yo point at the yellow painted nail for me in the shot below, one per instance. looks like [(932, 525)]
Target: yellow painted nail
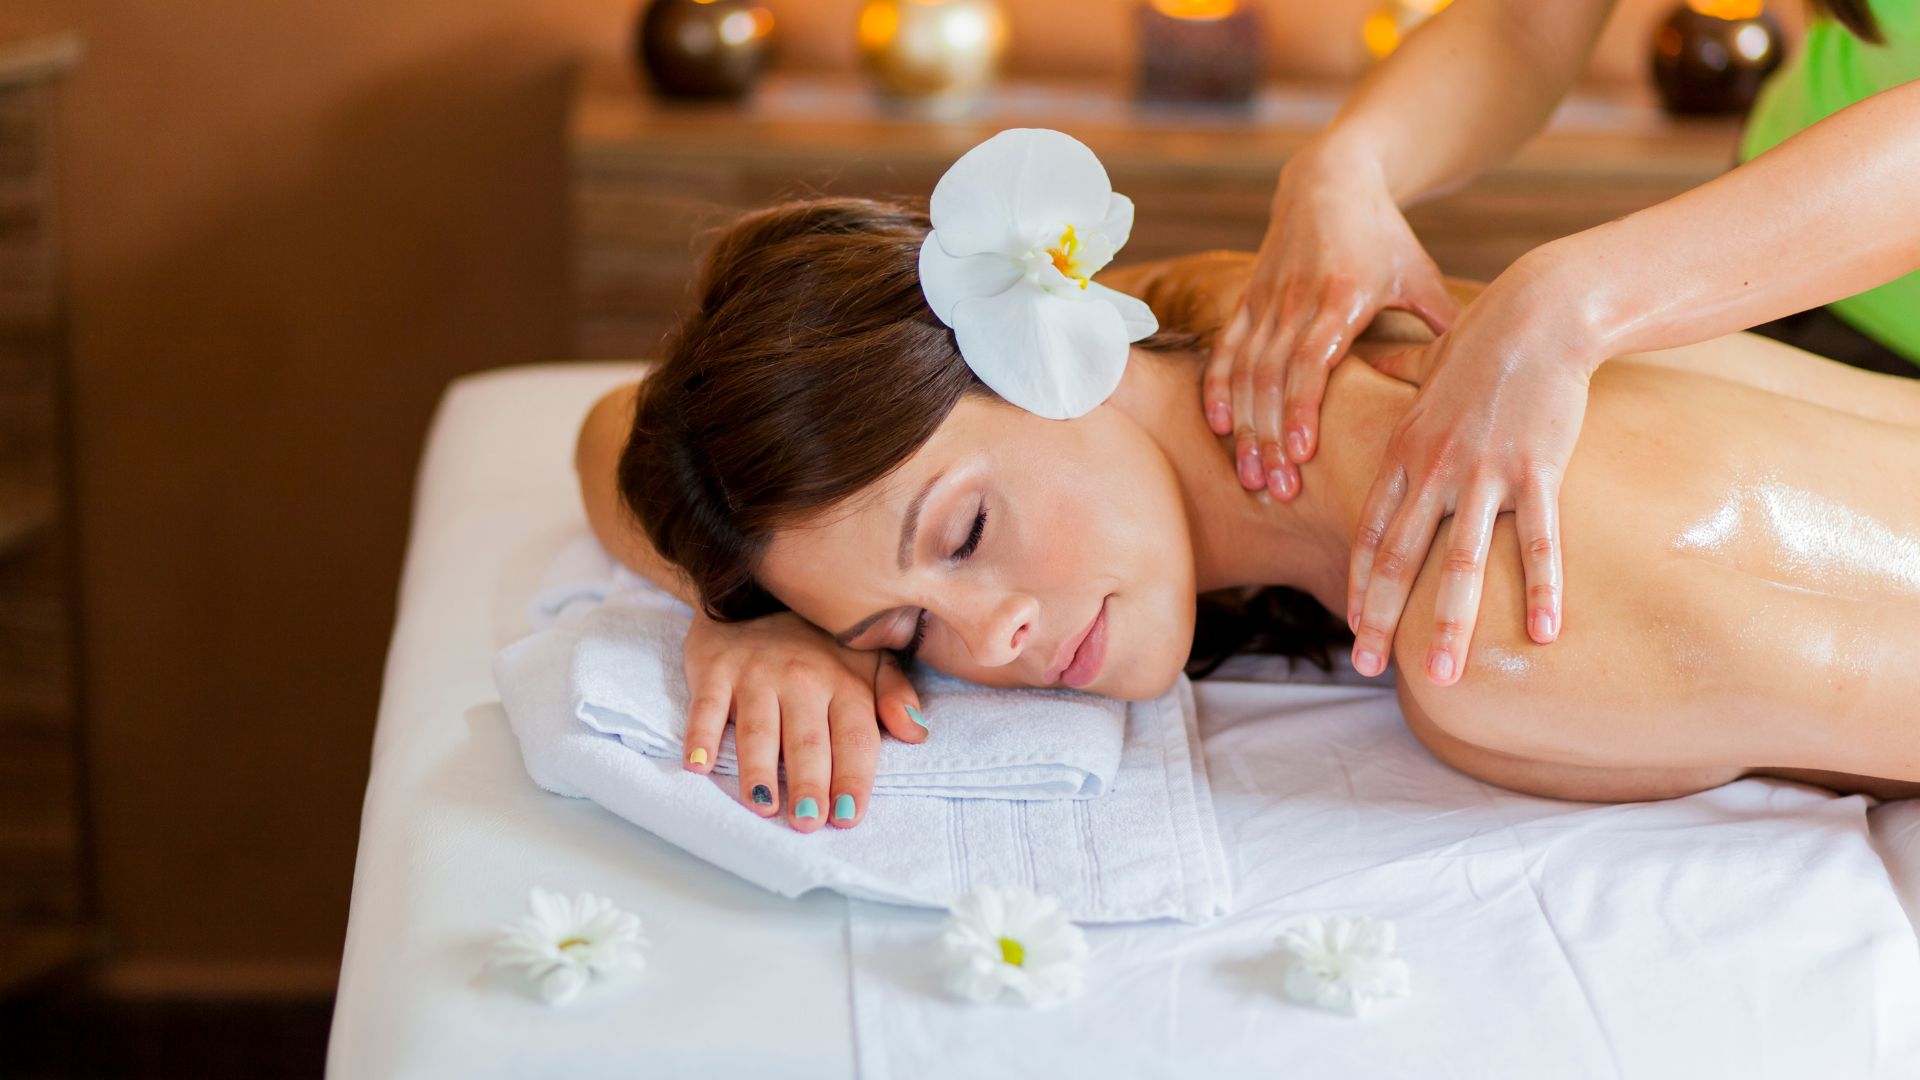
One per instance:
[(699, 755)]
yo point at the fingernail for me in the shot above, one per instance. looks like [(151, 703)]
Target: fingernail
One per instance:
[(698, 756), (1441, 664), (1542, 626), (843, 808), (1250, 469), (1353, 623), (1277, 480), (762, 795), (1367, 662), (1218, 418), (913, 714), (806, 808), (1297, 445)]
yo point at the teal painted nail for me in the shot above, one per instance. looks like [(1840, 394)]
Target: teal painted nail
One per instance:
[(913, 714), (843, 808), (806, 808)]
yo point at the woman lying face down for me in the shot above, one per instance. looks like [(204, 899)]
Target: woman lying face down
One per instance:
[(815, 442)]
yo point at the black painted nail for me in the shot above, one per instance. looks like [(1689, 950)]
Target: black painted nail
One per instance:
[(762, 795)]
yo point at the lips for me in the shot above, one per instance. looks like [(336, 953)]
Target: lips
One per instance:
[(1077, 663)]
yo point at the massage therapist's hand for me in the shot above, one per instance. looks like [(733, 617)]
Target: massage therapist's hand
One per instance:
[(1492, 429), (1336, 252), (795, 692)]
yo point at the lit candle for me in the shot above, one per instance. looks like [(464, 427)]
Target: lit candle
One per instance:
[(1203, 10), (1199, 50), (1384, 29), (943, 52)]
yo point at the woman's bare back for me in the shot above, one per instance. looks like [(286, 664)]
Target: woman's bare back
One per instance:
[(1743, 583), (1742, 558)]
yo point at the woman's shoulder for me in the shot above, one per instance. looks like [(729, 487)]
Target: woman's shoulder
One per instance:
[(1190, 293), (606, 425)]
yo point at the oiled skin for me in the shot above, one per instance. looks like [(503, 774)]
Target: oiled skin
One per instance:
[(1700, 642)]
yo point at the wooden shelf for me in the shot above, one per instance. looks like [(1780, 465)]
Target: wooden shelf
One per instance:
[(31, 953), (24, 516), (649, 175)]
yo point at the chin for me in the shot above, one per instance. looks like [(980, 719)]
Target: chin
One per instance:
[(1148, 651)]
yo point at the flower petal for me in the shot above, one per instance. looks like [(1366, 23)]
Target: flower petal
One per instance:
[(1008, 193), (1134, 312), (561, 983), (1055, 357), (1117, 225), (948, 279)]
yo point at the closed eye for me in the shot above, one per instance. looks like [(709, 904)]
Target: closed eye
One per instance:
[(906, 655), (973, 538)]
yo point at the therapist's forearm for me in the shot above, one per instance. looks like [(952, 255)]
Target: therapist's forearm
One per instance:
[(1465, 90), (1831, 212)]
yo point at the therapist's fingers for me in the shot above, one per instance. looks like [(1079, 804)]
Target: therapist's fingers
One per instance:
[(711, 700), (896, 703), (1246, 448), (756, 742), (1389, 487), (1325, 341), (1463, 569), (1537, 519), (1216, 383), (856, 747), (1402, 552), (806, 747), (1271, 373)]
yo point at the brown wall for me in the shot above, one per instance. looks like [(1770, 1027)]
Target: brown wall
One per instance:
[(289, 224)]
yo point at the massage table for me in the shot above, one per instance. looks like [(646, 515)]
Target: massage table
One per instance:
[(1567, 942)]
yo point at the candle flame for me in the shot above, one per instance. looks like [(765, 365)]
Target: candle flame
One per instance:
[(1196, 9), (1728, 9)]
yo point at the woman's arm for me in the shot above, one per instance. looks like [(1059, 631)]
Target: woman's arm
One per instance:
[(1826, 214), (791, 692), (1467, 88), (1823, 215), (596, 457)]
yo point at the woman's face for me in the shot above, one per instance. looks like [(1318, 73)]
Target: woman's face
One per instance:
[(1080, 515)]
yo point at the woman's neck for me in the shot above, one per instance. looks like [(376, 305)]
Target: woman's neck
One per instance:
[(1243, 537)]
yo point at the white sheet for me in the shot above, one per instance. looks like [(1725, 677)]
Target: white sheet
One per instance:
[(1743, 931), (1612, 937), (453, 833)]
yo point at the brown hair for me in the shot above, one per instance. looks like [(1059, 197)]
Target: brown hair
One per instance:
[(1855, 15), (810, 368)]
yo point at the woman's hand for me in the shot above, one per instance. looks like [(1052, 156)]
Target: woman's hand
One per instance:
[(1492, 429), (1336, 252), (794, 691)]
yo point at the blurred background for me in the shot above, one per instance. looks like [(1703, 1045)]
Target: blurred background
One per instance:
[(245, 245)]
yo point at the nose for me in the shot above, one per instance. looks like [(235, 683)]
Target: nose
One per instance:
[(996, 628)]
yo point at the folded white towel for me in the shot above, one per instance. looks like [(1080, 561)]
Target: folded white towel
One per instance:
[(1146, 847)]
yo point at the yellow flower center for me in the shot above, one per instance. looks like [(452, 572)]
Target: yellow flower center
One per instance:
[(571, 942), (1063, 253), (1010, 950)]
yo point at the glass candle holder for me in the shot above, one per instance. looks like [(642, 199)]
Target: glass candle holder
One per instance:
[(938, 54), (1710, 56), (1199, 51), (704, 48)]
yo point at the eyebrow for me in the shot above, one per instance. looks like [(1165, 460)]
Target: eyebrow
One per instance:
[(909, 530)]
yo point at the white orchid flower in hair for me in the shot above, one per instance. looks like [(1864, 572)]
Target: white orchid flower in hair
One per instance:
[(1021, 223)]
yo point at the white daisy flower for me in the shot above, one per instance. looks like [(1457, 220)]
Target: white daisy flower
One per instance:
[(1013, 941), (564, 943), (1021, 224), (1342, 963)]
